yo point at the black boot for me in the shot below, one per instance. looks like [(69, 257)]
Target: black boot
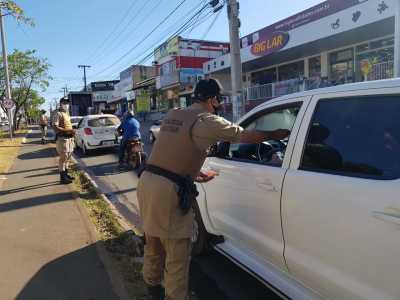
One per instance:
[(69, 176), (155, 292), (64, 179)]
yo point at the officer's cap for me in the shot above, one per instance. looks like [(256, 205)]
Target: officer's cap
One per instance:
[(206, 89), (64, 100)]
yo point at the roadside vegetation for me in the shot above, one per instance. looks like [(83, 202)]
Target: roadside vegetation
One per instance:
[(124, 247), (9, 149)]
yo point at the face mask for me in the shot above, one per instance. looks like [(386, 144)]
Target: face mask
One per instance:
[(217, 109), (65, 107)]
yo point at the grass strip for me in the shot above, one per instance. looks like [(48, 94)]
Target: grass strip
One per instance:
[(9, 149), (125, 247)]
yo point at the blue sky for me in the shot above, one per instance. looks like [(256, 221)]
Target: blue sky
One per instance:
[(69, 32)]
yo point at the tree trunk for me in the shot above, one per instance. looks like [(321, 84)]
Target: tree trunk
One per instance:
[(17, 108), (19, 121)]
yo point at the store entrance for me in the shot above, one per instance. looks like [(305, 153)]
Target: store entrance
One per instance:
[(342, 67)]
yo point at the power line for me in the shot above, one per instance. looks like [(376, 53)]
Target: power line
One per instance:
[(188, 23), (191, 22), (144, 39), (211, 25), (113, 44), (114, 30)]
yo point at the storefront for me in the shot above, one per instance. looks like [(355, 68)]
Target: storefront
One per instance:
[(179, 63), (335, 42)]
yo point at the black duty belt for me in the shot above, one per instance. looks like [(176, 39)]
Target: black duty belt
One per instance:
[(187, 191)]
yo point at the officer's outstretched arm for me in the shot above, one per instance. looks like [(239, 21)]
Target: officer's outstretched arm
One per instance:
[(257, 136)]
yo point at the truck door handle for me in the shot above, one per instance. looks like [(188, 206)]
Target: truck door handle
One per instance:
[(268, 186)]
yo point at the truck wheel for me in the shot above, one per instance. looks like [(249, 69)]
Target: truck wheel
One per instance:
[(200, 238)]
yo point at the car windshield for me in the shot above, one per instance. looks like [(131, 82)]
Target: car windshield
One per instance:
[(103, 122)]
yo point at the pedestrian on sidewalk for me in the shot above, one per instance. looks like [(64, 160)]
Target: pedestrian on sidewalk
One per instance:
[(43, 122), (166, 189), (65, 139)]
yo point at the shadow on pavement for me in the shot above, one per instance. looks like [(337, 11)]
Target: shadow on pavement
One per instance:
[(227, 280), (42, 153), (52, 172), (35, 201), (79, 275), (28, 188), (27, 171)]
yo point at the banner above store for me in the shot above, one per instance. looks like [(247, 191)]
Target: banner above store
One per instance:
[(270, 45), (312, 14)]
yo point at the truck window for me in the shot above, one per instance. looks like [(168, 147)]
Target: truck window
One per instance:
[(357, 136), (270, 152)]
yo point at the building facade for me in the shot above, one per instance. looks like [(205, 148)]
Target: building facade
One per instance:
[(124, 96), (102, 93), (335, 42), (179, 63)]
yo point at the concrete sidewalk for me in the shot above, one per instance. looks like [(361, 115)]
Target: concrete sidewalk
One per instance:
[(48, 249)]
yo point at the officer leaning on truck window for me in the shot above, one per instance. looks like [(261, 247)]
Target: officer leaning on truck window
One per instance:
[(65, 139), (166, 189)]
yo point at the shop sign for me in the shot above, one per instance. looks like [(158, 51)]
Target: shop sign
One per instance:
[(170, 47), (310, 15), (270, 45), (190, 75), (143, 103)]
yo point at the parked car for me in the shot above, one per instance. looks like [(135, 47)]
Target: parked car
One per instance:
[(75, 121), (154, 131), (97, 131), (315, 216)]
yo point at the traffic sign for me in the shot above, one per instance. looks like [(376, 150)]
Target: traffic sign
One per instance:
[(8, 103)]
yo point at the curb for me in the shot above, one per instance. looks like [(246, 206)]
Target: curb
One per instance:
[(123, 222)]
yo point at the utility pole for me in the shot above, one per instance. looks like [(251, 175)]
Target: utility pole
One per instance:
[(65, 90), (238, 105), (84, 74), (7, 75)]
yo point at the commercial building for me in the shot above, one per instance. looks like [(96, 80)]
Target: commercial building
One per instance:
[(179, 63), (335, 42), (102, 93), (123, 96)]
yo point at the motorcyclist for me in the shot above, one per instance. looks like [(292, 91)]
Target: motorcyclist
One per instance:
[(129, 129)]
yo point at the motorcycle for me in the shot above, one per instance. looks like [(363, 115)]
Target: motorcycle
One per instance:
[(134, 153)]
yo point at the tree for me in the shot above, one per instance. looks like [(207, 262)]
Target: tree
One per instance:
[(31, 108), (27, 73), (10, 8)]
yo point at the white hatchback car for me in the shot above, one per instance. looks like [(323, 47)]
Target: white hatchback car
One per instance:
[(97, 131), (75, 121), (315, 216)]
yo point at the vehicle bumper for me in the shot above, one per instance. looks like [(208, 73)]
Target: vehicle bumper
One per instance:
[(102, 144)]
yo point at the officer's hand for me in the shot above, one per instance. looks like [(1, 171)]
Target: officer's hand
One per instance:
[(205, 177), (281, 134)]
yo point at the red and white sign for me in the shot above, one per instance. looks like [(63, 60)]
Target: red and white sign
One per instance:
[(8, 103)]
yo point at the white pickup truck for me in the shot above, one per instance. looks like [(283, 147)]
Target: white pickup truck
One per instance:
[(316, 216)]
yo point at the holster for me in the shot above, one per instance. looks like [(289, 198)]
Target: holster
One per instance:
[(187, 190)]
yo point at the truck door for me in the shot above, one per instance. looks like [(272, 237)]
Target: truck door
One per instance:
[(341, 199)]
